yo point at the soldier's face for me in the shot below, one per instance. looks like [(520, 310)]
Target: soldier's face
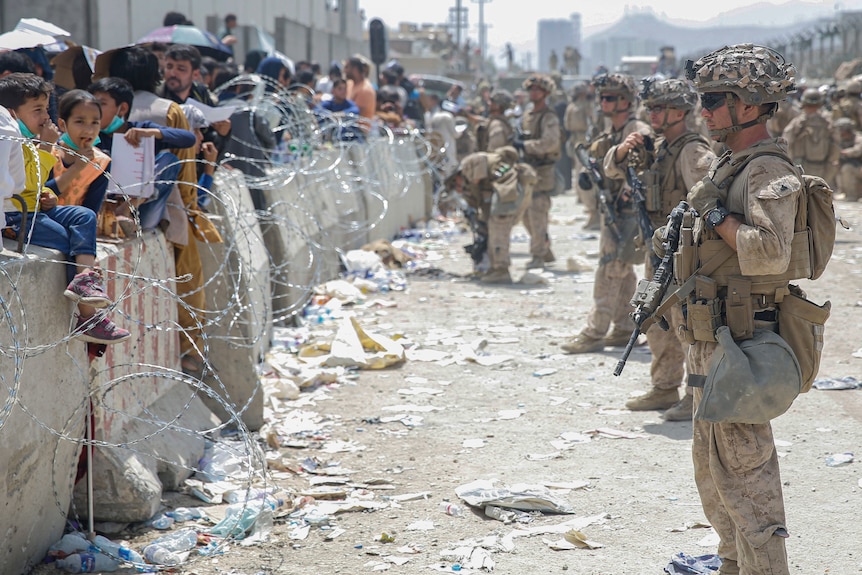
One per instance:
[(715, 111)]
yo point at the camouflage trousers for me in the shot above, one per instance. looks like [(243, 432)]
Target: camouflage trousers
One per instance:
[(499, 237), (737, 476), (536, 222), (613, 289), (668, 348), (850, 181)]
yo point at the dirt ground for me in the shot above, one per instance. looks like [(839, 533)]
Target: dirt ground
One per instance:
[(639, 489)]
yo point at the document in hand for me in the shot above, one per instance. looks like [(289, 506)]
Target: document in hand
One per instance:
[(133, 169)]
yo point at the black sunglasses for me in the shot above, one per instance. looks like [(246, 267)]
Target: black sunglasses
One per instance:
[(610, 98), (712, 100)]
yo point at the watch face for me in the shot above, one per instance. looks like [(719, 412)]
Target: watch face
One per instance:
[(715, 217)]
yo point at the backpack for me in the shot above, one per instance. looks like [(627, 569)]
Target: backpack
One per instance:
[(815, 211)]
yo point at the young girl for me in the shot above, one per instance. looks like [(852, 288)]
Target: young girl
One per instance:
[(79, 178)]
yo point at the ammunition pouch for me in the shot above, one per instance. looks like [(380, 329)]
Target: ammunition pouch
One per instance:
[(652, 191), (801, 324)]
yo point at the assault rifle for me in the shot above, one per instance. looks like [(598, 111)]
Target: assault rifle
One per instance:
[(650, 294), (606, 203), (639, 200), (480, 234)]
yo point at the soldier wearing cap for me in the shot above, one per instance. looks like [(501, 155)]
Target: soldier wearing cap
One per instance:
[(739, 246), (539, 143), (499, 187), (811, 138), (615, 275), (682, 159), (495, 131), (849, 161)]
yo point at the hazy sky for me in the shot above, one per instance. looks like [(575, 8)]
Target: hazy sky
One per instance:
[(515, 20)]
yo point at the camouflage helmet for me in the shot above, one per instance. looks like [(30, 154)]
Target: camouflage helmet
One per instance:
[(756, 74), (844, 124), (673, 93), (541, 80), (854, 86), (579, 89), (622, 84), (502, 98), (811, 97), (750, 381)]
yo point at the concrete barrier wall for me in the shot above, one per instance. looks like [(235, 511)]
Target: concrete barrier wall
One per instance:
[(147, 413)]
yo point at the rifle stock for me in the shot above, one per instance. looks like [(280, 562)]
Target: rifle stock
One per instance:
[(649, 299)]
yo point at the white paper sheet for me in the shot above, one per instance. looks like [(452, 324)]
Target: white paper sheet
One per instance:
[(133, 169)]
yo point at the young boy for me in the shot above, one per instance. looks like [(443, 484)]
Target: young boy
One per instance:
[(69, 229), (116, 96)]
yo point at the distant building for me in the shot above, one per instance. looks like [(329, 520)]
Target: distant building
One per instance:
[(554, 36)]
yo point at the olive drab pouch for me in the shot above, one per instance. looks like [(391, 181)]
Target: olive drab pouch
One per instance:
[(739, 309), (704, 310), (650, 179), (801, 324)]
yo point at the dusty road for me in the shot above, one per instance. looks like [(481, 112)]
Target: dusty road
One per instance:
[(497, 422)]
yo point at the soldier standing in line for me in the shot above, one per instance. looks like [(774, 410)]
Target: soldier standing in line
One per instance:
[(850, 105), (499, 187), (577, 122), (752, 221), (787, 110), (811, 138), (539, 143), (682, 159), (495, 131), (615, 276), (849, 161)]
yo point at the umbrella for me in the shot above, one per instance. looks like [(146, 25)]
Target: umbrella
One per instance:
[(64, 65), (207, 42)]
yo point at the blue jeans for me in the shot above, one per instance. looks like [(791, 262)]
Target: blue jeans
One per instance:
[(167, 171), (68, 229)]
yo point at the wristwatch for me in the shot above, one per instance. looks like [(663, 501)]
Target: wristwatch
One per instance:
[(715, 217)]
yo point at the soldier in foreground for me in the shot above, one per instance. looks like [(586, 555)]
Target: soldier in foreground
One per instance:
[(747, 208), (615, 277), (682, 159), (539, 143)]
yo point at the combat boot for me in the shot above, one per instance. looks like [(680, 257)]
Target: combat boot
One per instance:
[(655, 398), (536, 263), (549, 257), (583, 343), (618, 338), (681, 410), (497, 276), (592, 223)]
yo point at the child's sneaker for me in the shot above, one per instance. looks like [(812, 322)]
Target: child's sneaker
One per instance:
[(86, 288), (99, 330)]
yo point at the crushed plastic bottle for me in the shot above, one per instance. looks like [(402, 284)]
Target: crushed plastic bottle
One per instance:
[(117, 550), (181, 514), (69, 544), (162, 522), (87, 563), (168, 550), (451, 509), (239, 519)]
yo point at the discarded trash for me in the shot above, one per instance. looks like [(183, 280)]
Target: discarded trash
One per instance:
[(543, 456), (451, 509), (387, 538), (70, 543), (171, 550), (482, 492), (162, 522), (87, 563), (683, 564), (848, 382), (117, 550), (474, 443), (839, 459), (507, 515), (572, 539), (420, 526), (544, 371)]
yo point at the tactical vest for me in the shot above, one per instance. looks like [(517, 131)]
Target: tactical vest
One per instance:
[(600, 147), (534, 123), (665, 186), (725, 295)]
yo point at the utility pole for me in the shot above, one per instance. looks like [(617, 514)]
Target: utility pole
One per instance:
[(458, 23), (483, 40)]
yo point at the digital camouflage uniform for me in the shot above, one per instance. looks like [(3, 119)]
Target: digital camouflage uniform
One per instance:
[(542, 136), (678, 165), (812, 140), (615, 276), (849, 176), (736, 465), (499, 187)]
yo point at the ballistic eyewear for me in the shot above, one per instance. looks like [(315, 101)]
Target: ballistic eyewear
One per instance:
[(610, 98), (712, 100)]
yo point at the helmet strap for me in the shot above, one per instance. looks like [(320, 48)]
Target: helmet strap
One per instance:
[(731, 108)]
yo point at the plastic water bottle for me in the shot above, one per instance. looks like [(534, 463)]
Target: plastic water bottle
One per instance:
[(69, 544), (87, 563), (162, 522), (161, 556), (117, 550), (167, 550), (181, 514), (451, 509)]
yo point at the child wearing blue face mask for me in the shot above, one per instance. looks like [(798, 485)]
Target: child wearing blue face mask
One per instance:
[(68, 229), (78, 178)]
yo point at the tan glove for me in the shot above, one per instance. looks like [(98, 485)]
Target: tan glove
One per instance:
[(705, 195), (657, 245)]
